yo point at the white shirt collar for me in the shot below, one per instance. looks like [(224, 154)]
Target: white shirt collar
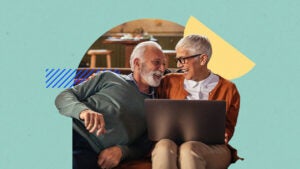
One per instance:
[(200, 90)]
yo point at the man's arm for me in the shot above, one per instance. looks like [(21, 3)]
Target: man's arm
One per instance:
[(69, 103)]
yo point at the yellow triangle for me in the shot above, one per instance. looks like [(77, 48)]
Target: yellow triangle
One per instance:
[(226, 60)]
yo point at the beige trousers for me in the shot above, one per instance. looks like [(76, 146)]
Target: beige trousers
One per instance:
[(192, 155)]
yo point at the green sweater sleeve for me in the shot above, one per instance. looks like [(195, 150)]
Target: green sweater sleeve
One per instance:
[(69, 102)]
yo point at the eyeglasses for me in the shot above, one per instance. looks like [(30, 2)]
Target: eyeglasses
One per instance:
[(182, 59)]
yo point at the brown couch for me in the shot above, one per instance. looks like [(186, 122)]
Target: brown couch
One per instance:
[(137, 164)]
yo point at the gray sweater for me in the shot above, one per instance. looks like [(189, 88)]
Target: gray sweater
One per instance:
[(122, 105)]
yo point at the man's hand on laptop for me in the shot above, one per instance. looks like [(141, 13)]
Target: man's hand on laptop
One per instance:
[(93, 121)]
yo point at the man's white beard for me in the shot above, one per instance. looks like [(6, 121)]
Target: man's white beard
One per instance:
[(149, 77)]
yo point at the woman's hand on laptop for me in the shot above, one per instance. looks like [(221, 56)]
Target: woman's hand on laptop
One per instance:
[(93, 121), (226, 138)]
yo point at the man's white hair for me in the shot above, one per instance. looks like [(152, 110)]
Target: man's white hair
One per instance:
[(139, 51)]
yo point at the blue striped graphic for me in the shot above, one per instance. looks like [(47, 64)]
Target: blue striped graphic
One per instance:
[(52, 75), (86, 76), (70, 85), (84, 72), (49, 72), (61, 78), (67, 78), (55, 77)]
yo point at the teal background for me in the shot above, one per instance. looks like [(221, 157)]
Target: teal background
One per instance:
[(35, 35)]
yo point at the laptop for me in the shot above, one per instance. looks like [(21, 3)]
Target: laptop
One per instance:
[(186, 120)]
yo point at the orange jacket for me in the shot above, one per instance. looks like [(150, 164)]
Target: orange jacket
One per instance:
[(171, 87)]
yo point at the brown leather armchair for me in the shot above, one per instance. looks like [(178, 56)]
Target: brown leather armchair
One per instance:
[(137, 164)]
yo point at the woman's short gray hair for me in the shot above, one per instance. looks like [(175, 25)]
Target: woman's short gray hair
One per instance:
[(195, 44), (139, 51)]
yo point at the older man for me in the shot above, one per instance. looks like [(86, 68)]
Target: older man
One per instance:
[(109, 123), (197, 82)]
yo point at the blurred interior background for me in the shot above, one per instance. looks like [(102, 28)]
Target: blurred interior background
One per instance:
[(120, 40)]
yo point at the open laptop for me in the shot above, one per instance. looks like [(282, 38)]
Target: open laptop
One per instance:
[(186, 120)]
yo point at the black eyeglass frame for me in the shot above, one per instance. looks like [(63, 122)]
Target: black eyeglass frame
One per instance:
[(182, 59)]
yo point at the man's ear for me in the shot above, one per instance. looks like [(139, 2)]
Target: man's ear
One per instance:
[(136, 63)]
